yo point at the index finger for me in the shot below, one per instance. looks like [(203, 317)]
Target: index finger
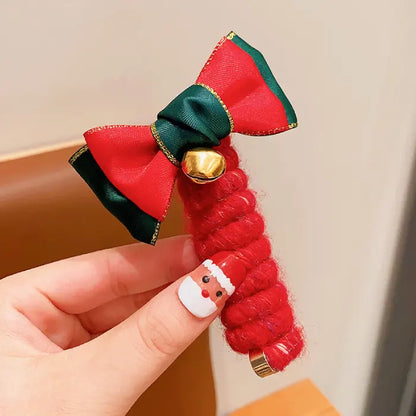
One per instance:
[(82, 283)]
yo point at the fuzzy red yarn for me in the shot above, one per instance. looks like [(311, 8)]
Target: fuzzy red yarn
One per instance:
[(223, 216)]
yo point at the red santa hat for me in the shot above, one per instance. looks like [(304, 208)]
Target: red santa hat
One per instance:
[(203, 299), (228, 269)]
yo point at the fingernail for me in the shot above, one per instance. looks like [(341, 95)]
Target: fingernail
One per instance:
[(189, 257), (205, 290)]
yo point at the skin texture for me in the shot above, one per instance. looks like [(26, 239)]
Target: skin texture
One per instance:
[(88, 335)]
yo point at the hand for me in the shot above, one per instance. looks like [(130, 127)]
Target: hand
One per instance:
[(88, 335)]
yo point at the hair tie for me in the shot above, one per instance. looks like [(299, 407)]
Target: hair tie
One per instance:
[(132, 170)]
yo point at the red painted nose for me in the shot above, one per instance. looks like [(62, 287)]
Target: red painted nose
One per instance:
[(205, 293)]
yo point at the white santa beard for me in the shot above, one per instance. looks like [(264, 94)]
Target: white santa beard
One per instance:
[(191, 297)]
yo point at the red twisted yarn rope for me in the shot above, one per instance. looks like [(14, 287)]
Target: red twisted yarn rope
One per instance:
[(223, 216)]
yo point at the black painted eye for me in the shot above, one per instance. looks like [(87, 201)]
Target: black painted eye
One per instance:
[(205, 279), (219, 294)]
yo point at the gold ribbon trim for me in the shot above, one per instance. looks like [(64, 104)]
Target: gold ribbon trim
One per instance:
[(162, 146), (78, 153), (231, 35), (214, 93)]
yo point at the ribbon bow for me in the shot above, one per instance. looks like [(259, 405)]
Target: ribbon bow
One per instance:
[(132, 169)]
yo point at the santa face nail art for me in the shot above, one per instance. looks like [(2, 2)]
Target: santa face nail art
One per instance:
[(205, 290)]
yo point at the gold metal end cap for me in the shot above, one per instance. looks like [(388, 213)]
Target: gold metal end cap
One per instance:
[(259, 364)]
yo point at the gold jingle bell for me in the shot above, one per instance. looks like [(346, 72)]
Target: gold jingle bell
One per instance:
[(203, 165)]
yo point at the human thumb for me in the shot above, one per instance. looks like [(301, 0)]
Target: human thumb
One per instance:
[(123, 362)]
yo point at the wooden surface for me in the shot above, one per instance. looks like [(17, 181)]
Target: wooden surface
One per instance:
[(300, 399), (47, 213)]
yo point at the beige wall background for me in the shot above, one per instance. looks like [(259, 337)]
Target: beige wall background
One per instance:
[(333, 191)]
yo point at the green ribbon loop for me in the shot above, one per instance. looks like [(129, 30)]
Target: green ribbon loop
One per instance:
[(141, 226), (195, 118)]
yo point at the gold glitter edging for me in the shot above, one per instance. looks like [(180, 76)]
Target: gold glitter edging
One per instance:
[(77, 154), (268, 132), (214, 93), (155, 234), (162, 146), (231, 35)]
